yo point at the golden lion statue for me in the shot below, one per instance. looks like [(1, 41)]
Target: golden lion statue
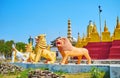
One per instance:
[(41, 50), (66, 49)]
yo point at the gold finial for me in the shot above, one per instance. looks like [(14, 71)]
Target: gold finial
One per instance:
[(94, 28), (89, 28), (79, 39), (118, 23), (105, 27)]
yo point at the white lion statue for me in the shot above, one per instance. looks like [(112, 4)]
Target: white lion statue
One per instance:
[(21, 57)]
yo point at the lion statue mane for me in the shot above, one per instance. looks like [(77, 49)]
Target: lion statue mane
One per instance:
[(67, 50), (42, 50)]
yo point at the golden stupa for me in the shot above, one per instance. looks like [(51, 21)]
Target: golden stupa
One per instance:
[(93, 35)]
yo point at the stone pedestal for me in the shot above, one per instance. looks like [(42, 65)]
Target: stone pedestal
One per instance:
[(112, 70)]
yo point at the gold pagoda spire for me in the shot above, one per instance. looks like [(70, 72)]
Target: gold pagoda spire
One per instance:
[(89, 28), (117, 30), (118, 23), (106, 34), (79, 39), (69, 33), (94, 28), (105, 27), (78, 43), (94, 36)]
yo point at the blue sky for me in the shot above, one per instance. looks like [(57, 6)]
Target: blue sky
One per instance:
[(20, 19)]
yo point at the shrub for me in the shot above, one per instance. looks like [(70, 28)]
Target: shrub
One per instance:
[(96, 73)]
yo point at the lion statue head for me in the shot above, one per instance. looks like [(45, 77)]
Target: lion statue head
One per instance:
[(64, 44), (41, 41)]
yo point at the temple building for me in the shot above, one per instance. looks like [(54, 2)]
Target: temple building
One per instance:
[(102, 46)]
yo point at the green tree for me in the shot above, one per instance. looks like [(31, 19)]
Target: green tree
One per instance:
[(2, 42), (1, 46), (20, 46), (8, 48)]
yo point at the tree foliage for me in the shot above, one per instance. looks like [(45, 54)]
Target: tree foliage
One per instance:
[(20, 46), (6, 47)]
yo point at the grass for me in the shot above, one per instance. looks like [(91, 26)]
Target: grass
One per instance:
[(8, 76), (24, 74), (81, 75)]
